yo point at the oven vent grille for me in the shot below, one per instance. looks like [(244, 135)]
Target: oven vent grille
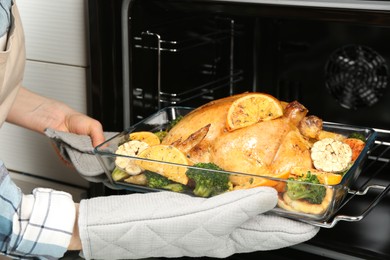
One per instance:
[(356, 76)]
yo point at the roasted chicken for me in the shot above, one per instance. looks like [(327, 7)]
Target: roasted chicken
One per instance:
[(259, 140), (264, 148)]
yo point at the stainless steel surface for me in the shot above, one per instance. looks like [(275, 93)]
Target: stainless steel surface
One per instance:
[(344, 4)]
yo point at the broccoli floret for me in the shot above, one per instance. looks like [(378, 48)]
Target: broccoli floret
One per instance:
[(176, 187), (161, 134), (302, 188), (157, 181), (173, 123), (357, 136), (118, 174), (208, 183)]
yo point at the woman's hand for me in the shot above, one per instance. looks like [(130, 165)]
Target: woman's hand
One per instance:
[(37, 113), (78, 123)]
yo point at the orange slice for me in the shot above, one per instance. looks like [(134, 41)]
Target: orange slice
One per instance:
[(246, 181), (165, 154), (253, 108), (144, 136), (327, 178)]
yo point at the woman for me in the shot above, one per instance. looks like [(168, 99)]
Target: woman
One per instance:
[(47, 223), (24, 108)]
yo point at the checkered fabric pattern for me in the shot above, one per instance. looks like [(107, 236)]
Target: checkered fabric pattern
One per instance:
[(5, 16), (35, 226)]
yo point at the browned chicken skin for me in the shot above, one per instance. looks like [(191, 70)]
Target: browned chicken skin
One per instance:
[(264, 148), (310, 126)]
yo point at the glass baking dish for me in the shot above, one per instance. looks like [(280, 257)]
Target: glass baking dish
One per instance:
[(160, 121)]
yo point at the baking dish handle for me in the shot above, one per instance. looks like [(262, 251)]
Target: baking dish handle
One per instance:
[(337, 218)]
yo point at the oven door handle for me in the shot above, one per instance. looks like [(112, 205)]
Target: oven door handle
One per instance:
[(337, 218)]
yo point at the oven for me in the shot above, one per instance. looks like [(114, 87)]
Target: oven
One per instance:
[(332, 56)]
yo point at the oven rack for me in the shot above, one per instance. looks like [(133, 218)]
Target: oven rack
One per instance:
[(160, 42), (372, 179), (165, 98), (202, 93), (170, 99)]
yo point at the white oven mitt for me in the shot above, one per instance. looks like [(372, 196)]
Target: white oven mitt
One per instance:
[(168, 224), (78, 150)]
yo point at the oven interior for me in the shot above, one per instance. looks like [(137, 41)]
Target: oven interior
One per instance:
[(337, 65), (186, 53), (333, 61)]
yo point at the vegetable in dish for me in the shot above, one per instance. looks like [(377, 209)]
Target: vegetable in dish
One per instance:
[(118, 174), (357, 136), (154, 180), (357, 145), (157, 181), (292, 152), (161, 134), (331, 155), (130, 148), (303, 188), (208, 183), (174, 123)]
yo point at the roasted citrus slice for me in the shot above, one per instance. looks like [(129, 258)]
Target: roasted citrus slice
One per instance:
[(164, 156), (246, 181), (327, 178), (253, 108), (145, 136)]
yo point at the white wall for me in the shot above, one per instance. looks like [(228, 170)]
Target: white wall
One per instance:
[(56, 45)]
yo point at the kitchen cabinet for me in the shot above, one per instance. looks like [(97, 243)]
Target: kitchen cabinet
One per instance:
[(57, 67)]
